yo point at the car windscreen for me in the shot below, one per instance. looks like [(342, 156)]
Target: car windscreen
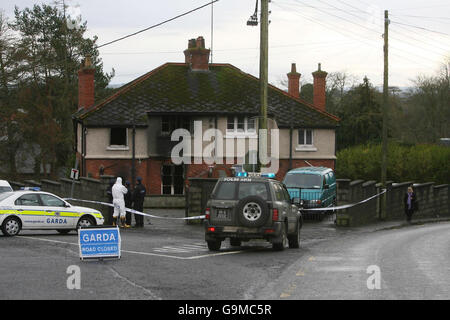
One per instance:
[(5, 195), (225, 191), (303, 180), (5, 189), (247, 189)]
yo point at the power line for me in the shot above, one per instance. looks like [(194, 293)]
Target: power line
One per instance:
[(156, 25), (352, 35), (339, 17), (421, 28)]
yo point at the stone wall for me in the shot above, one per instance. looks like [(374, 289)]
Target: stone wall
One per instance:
[(433, 201)]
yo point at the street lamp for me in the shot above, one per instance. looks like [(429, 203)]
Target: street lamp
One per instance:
[(253, 20)]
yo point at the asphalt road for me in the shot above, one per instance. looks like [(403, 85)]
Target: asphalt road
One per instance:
[(412, 262), (170, 260)]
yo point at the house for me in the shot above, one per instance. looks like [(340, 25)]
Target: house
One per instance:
[(140, 117)]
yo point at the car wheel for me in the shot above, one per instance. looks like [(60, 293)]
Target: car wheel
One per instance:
[(85, 222), (281, 242), (63, 231), (294, 240), (214, 245), (252, 211), (235, 242), (11, 226)]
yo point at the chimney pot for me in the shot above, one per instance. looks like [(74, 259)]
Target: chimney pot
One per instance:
[(86, 84), (196, 55), (294, 82), (319, 94)]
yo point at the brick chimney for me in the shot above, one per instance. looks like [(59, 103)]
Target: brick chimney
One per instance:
[(319, 99), (86, 85), (196, 56), (294, 82)]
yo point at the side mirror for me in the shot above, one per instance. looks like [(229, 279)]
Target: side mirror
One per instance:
[(66, 205), (297, 201)]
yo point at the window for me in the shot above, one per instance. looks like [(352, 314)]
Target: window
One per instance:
[(172, 178), (241, 124), (305, 137), (225, 191), (252, 189), (51, 201), (28, 200), (169, 124), (118, 137)]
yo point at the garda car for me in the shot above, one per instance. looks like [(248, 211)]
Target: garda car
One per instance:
[(36, 210), (5, 186), (243, 208)]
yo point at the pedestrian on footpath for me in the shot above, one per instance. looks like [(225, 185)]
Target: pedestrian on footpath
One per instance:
[(138, 202), (118, 192), (128, 204), (410, 203)]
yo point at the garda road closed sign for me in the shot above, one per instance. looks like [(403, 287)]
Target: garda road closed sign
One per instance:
[(99, 242)]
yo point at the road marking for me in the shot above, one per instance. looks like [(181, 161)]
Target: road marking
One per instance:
[(340, 269), (300, 273), (289, 291), (209, 255)]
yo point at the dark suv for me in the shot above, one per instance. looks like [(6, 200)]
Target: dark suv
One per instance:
[(252, 208)]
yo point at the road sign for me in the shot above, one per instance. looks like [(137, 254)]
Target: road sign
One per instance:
[(74, 173), (99, 242)]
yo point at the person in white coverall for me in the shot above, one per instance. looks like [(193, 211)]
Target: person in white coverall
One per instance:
[(118, 192)]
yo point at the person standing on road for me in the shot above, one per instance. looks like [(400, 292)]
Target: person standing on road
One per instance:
[(109, 218), (128, 204), (118, 192), (410, 203), (138, 202)]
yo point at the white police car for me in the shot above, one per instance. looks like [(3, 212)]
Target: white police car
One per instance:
[(29, 209)]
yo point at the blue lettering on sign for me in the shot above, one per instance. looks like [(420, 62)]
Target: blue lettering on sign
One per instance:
[(57, 221)]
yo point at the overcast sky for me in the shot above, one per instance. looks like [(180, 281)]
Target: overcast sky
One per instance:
[(344, 36)]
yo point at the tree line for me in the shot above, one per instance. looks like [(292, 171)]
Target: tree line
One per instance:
[(40, 54)]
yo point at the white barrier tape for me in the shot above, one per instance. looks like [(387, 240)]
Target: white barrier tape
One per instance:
[(346, 205), (135, 211)]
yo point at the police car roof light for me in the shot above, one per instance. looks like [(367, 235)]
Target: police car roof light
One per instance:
[(268, 175), (30, 188), (241, 174)]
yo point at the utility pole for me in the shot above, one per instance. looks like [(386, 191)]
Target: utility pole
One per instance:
[(263, 75), (384, 145)]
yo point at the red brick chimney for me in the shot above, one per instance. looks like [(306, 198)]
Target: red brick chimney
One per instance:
[(319, 99), (86, 85), (294, 82), (196, 56)]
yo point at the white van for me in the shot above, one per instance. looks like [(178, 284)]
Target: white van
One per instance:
[(5, 186)]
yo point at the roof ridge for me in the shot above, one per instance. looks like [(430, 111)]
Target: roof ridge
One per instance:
[(310, 105), (122, 90)]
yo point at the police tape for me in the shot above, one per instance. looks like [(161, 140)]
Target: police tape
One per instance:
[(345, 206), (135, 211)]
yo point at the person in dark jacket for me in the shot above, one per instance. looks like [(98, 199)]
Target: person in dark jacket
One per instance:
[(138, 202), (109, 219), (410, 203), (128, 204)]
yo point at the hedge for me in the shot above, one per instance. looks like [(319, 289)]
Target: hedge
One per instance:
[(418, 163)]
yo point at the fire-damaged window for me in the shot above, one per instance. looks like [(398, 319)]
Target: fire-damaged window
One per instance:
[(118, 137), (170, 123), (172, 177)]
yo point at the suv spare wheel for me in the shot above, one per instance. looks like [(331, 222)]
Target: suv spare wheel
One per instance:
[(252, 211)]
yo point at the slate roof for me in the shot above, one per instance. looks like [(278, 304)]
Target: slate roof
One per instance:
[(223, 90)]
